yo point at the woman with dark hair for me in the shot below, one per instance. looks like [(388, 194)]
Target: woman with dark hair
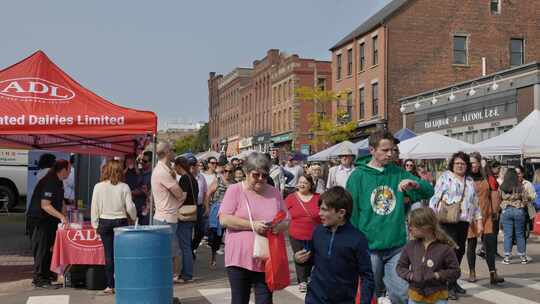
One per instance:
[(514, 215), (410, 166), (303, 206), (184, 230), (455, 186), (489, 203)]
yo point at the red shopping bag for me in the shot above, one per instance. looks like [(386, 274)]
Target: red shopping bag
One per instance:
[(536, 224), (277, 265), (359, 294)]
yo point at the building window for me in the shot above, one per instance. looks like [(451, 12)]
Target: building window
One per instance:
[(516, 52), (362, 103), (460, 49), (375, 50), (349, 62), (349, 107), (339, 66), (375, 98), (495, 7), (321, 84), (362, 58)]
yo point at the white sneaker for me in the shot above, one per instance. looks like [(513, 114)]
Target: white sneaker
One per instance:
[(384, 300), (220, 252)]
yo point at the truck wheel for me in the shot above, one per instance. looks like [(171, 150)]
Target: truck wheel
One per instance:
[(7, 194)]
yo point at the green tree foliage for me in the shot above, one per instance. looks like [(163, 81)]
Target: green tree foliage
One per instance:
[(325, 130), (193, 143)]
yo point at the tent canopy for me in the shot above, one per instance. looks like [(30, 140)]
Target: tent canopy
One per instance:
[(44, 108), (404, 134), (521, 139), (325, 154), (363, 146), (430, 146)]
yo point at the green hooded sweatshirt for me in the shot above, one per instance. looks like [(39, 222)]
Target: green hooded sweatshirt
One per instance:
[(378, 209)]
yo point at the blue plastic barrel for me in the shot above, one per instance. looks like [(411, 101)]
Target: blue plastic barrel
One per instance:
[(143, 265)]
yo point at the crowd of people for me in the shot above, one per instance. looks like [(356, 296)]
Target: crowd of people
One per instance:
[(375, 226)]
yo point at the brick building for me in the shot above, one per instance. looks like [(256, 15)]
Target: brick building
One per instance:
[(413, 46), (255, 108)]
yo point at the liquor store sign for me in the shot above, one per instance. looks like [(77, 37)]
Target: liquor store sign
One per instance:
[(463, 116)]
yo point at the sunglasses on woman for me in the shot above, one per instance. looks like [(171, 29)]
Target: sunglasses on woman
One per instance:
[(259, 175)]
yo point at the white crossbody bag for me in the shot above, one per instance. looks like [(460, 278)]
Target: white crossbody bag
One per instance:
[(261, 250)]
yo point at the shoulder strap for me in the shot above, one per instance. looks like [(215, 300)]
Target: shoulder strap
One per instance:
[(301, 203), (248, 210)]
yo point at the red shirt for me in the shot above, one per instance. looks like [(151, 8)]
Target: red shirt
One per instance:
[(493, 183), (303, 220)]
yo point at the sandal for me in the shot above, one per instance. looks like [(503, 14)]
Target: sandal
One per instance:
[(106, 292), (213, 265)]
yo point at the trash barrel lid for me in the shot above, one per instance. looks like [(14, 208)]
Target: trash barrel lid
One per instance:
[(144, 228)]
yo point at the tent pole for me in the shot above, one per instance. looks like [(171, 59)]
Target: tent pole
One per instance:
[(151, 211)]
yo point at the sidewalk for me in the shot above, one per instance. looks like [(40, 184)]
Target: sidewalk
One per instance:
[(16, 260)]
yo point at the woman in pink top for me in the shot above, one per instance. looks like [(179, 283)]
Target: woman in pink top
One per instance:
[(303, 207), (265, 202)]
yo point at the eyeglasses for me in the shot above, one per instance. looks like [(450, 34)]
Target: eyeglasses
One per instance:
[(145, 161), (227, 171), (409, 165), (460, 164), (213, 163), (259, 175)]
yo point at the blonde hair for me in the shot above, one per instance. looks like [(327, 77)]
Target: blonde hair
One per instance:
[(536, 179), (112, 171), (425, 218)]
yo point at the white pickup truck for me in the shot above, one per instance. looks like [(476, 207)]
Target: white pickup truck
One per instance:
[(13, 176)]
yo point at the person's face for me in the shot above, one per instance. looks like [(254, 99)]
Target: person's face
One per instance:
[(384, 151), (420, 232), (227, 172), (273, 153), (460, 167), (219, 169), (179, 170), (303, 185), (395, 153), (194, 170), (257, 179), (520, 175), (130, 163), (331, 217), (235, 163), (146, 162), (170, 156), (64, 173), (409, 166), (346, 160), (496, 171), (316, 172), (212, 164), (475, 165), (200, 165), (238, 176)]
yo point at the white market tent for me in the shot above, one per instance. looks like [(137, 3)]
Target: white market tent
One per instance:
[(206, 155), (523, 139), (334, 150), (431, 145)]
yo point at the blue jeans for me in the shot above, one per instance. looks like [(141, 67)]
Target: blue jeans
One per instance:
[(438, 302), (184, 233), (384, 264), (514, 219), (174, 243)]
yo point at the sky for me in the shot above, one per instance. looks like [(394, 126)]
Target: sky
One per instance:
[(156, 55)]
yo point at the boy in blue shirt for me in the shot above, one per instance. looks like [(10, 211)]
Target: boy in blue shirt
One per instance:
[(340, 254)]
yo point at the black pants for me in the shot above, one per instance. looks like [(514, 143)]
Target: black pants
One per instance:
[(303, 271), (215, 240), (42, 243), (199, 229), (241, 281), (458, 233), (490, 246), (106, 232)]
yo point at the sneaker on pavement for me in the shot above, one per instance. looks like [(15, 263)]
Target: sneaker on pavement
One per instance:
[(48, 285), (525, 260), (507, 260), (220, 251), (302, 287)]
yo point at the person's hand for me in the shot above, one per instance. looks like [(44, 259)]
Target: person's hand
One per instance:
[(302, 256), (260, 227), (437, 276), (63, 219), (480, 227), (206, 210), (407, 184)]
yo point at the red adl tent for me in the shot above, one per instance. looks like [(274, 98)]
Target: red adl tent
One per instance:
[(41, 107)]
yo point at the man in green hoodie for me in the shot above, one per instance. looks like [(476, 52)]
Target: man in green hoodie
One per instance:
[(378, 187)]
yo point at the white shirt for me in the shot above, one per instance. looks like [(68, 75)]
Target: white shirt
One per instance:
[(210, 178), (296, 171), (338, 176), (112, 202), (69, 186)]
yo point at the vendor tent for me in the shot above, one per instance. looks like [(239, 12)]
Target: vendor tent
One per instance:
[(523, 139), (402, 135), (44, 108), (430, 146), (324, 155), (207, 154)]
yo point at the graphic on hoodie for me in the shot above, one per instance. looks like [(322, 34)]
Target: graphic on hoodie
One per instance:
[(383, 200)]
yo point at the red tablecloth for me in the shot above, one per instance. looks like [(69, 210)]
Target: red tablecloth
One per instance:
[(76, 246)]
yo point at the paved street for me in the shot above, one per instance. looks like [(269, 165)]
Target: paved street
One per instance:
[(522, 287)]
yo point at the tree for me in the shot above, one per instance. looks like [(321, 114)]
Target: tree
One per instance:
[(325, 130), (193, 143)]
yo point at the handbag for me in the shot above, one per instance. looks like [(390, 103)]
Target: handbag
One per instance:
[(449, 213), (261, 248), (188, 213), (531, 210)]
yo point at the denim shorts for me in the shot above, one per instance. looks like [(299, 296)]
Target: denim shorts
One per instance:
[(174, 239)]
